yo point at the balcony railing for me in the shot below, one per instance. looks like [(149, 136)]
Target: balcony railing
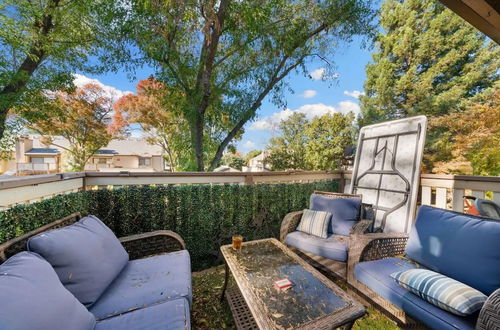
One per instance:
[(35, 167), (444, 191)]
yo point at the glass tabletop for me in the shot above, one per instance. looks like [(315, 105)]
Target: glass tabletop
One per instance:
[(264, 262)]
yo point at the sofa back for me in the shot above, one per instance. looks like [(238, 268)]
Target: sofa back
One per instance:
[(18, 244), (461, 246)]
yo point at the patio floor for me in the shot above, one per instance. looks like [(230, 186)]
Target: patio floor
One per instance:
[(208, 313)]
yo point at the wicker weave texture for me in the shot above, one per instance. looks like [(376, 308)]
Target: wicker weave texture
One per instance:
[(241, 313), (18, 244), (137, 246), (335, 268), (489, 317)]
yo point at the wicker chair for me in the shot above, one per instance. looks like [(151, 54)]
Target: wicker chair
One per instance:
[(137, 246), (335, 268), (368, 247)]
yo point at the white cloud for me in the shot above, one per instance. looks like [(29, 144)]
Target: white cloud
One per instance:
[(269, 123), (346, 106), (318, 74), (355, 93), (309, 93), (114, 93), (249, 145)]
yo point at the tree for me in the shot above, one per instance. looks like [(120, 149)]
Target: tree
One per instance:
[(429, 61), (317, 144), (82, 116), (251, 154), (41, 41), (233, 160), (225, 57), (13, 128), (160, 118), (327, 138), (471, 138), (287, 151)]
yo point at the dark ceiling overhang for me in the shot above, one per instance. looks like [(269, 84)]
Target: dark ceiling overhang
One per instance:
[(482, 14)]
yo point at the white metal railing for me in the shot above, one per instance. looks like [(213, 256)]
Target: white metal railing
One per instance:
[(96, 167), (35, 167), (445, 191)]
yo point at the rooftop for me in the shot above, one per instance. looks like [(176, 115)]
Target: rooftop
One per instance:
[(42, 151)]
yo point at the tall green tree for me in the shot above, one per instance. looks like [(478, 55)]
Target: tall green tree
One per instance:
[(227, 56), (289, 148), (327, 138), (317, 144), (41, 42), (233, 160), (428, 61)]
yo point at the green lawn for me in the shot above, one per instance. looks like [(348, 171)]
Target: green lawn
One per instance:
[(209, 313)]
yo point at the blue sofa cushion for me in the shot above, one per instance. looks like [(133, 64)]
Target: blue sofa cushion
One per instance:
[(172, 315), (345, 212), (315, 223), (441, 291), (145, 282), (460, 246), (325, 247), (86, 256), (32, 297), (377, 276)]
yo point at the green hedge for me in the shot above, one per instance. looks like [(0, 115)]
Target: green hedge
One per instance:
[(206, 216)]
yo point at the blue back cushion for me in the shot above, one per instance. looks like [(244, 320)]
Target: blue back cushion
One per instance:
[(32, 297), (345, 212), (86, 256), (463, 247)]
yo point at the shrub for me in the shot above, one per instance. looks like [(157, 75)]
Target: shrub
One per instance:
[(206, 216)]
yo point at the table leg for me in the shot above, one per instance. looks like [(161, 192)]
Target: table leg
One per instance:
[(226, 279), (348, 326)]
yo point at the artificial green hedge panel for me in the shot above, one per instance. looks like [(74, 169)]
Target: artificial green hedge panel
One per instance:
[(206, 216)]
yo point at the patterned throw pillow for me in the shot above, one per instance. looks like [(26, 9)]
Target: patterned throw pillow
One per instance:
[(441, 291), (315, 223)]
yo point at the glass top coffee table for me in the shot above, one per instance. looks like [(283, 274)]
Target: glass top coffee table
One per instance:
[(313, 301)]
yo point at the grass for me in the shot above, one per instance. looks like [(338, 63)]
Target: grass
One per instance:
[(209, 313)]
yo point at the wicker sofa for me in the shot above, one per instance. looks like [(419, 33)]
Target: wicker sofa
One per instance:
[(152, 290), (333, 263), (460, 246)]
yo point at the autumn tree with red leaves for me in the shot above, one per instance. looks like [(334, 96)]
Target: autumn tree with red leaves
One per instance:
[(83, 117), (154, 108)]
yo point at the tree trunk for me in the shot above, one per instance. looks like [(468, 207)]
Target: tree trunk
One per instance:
[(35, 56), (198, 142)]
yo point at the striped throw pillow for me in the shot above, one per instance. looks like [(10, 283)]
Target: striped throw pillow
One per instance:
[(315, 223), (441, 291)]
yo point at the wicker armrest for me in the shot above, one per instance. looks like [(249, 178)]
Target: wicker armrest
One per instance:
[(289, 224), (160, 241), (361, 227), (489, 317), (373, 247)]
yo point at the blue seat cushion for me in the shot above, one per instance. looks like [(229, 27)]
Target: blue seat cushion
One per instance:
[(461, 246), (145, 282), (329, 247), (377, 276), (86, 256), (172, 315), (345, 212), (32, 297)]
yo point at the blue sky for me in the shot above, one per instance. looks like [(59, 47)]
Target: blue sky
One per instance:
[(312, 96)]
